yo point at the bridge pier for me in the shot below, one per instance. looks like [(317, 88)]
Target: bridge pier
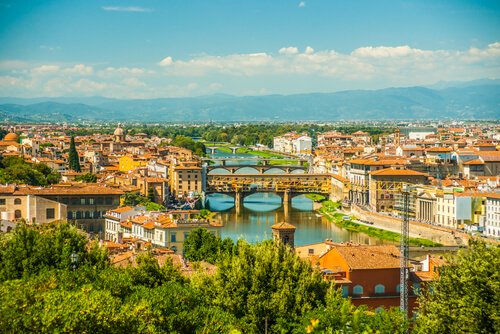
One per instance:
[(212, 149), (238, 202)]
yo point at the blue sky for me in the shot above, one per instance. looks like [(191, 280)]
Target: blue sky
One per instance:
[(167, 48)]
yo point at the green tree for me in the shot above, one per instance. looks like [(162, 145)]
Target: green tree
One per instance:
[(201, 245), (466, 297), (73, 159), (266, 284), (87, 178)]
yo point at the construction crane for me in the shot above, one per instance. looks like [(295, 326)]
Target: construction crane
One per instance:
[(406, 190)]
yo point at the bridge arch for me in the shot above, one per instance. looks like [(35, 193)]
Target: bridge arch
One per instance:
[(219, 170), (246, 170), (275, 170), (298, 171)]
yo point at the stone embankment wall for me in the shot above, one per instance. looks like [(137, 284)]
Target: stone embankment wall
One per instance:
[(418, 230)]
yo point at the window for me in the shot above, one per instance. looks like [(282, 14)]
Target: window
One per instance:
[(82, 201), (100, 200), (17, 214), (109, 200), (379, 288), (50, 213), (91, 201), (398, 288), (172, 237), (345, 291), (357, 290), (2, 201), (17, 201)]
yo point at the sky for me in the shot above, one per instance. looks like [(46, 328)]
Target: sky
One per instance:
[(178, 48)]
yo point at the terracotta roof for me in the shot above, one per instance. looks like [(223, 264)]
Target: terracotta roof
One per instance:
[(474, 162), (439, 149), (369, 257), (121, 209), (69, 189), (283, 226), (402, 172)]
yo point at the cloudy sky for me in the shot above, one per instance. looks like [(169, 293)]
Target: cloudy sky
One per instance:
[(168, 48)]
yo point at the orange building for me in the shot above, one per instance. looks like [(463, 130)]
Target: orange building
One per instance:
[(368, 275)]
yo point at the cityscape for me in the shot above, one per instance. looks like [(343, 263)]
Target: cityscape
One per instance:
[(197, 184)]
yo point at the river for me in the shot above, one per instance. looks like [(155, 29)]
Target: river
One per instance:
[(262, 210)]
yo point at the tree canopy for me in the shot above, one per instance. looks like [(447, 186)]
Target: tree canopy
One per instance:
[(73, 159), (466, 297), (15, 170)]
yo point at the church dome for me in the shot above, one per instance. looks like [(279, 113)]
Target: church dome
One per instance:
[(11, 136), (118, 131)]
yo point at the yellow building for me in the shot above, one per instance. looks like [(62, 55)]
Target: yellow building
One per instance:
[(128, 163)]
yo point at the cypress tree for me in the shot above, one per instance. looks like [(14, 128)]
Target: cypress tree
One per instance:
[(73, 160)]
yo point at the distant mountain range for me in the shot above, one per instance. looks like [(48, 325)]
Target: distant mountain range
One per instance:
[(474, 100)]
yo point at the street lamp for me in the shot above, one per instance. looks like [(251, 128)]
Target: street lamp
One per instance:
[(74, 260)]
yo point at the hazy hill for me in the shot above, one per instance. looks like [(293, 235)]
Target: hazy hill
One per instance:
[(473, 101)]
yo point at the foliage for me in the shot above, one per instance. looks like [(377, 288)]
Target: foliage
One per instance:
[(73, 159), (134, 198), (267, 283), (316, 197), (33, 249), (198, 148), (41, 293), (203, 245), (15, 170), (466, 297), (338, 315), (87, 178)]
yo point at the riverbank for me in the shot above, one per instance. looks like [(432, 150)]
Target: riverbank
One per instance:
[(329, 211), (280, 159)]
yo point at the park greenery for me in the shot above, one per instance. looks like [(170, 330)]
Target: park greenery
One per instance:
[(255, 288), (197, 147), (135, 198), (329, 211), (15, 170), (86, 178), (236, 134)]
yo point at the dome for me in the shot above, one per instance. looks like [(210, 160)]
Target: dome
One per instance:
[(11, 136), (118, 131)]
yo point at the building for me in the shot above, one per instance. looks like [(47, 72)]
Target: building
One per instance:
[(168, 229), (385, 186), (284, 233), (114, 219), (293, 143), (492, 224), (186, 179), (82, 203), (368, 275)]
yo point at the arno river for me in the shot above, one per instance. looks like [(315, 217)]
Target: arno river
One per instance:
[(262, 210)]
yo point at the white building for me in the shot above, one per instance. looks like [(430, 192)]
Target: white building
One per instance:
[(113, 220), (492, 223), (293, 143)]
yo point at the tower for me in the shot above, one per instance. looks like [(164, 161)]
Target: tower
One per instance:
[(285, 233)]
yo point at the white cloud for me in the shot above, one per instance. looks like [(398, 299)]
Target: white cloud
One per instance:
[(166, 61), (286, 71), (126, 9), (309, 50), (79, 69), (302, 4), (291, 50)]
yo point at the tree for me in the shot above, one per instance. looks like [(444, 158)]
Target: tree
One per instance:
[(73, 159), (87, 178), (266, 285), (201, 245), (466, 297)]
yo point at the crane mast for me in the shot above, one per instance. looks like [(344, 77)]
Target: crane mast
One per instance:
[(404, 244)]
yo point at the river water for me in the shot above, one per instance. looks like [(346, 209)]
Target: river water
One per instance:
[(262, 210)]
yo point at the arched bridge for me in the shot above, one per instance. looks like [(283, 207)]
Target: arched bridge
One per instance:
[(259, 169)]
